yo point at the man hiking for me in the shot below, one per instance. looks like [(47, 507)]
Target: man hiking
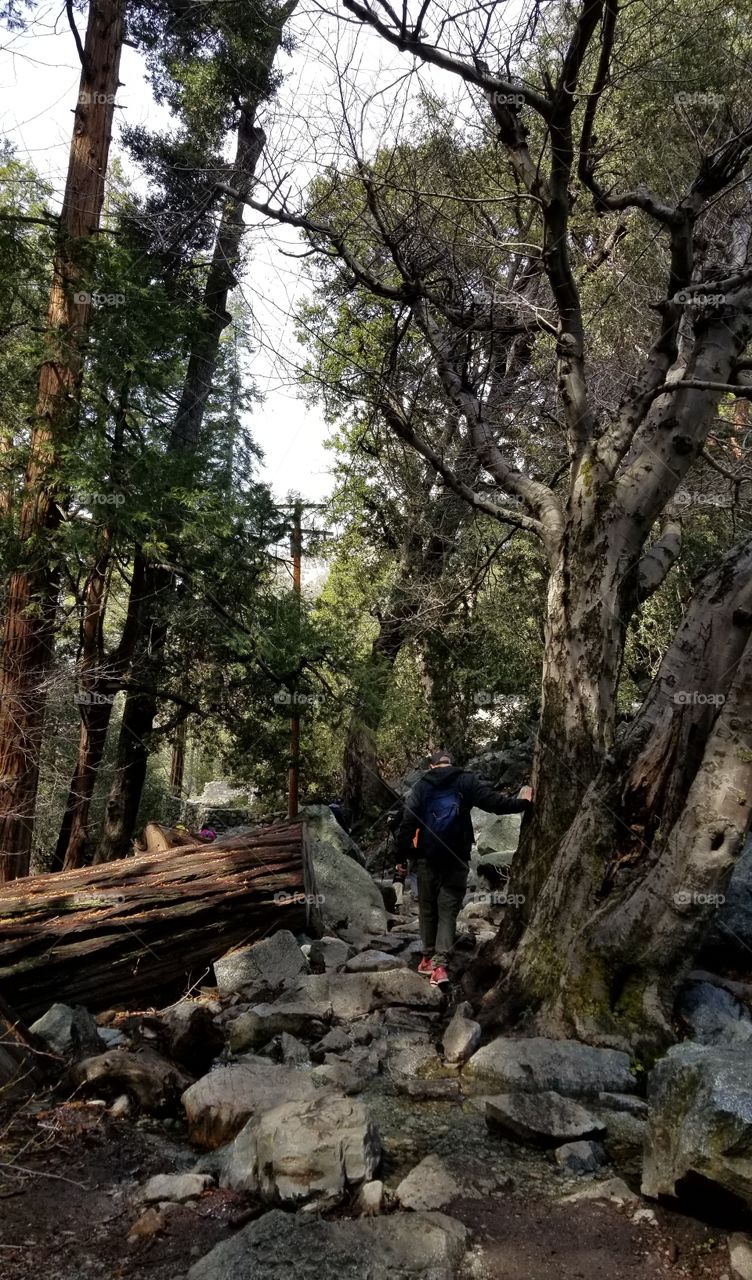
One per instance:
[(436, 833)]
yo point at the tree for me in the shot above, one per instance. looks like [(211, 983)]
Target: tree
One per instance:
[(499, 301), (31, 598), (242, 46)]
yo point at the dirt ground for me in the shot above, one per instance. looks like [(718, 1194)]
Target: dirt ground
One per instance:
[(68, 1174)]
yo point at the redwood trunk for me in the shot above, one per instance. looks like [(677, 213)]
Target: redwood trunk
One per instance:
[(32, 597), (136, 929)]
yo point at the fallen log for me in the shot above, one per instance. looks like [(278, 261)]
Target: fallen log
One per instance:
[(143, 927)]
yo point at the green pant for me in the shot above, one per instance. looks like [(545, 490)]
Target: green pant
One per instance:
[(441, 891)]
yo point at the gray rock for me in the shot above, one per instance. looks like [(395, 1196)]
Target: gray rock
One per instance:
[(374, 962), (496, 832), (713, 1015), (740, 1256), (220, 1103), (338, 1075), (327, 955), (292, 1051), (700, 1120), (112, 1037), (350, 900), (265, 964), (313, 1147), (580, 1157), (281, 1246), (69, 1030), (352, 995), (335, 1041), (623, 1102), (544, 1118), (614, 1189), (193, 1037), (260, 1024), (370, 1199), (177, 1187), (477, 909), (428, 1186), (388, 892), (462, 1035), (564, 1066)]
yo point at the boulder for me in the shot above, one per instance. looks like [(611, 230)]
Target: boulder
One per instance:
[(220, 1103), (352, 995), (335, 1041), (700, 1120), (192, 1036), (496, 832), (255, 1027), (327, 955), (177, 1187), (374, 962), (428, 1186), (740, 1256), (370, 1199), (564, 1066), (713, 1015), (265, 964), (144, 1075), (614, 1189), (287, 1049), (580, 1157), (389, 895), (69, 1030), (462, 1035), (349, 898), (319, 1146), (399, 1246), (544, 1118)]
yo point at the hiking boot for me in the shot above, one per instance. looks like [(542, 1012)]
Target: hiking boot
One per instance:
[(426, 966), (439, 976)]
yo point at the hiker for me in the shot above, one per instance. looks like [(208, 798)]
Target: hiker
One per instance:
[(436, 833)]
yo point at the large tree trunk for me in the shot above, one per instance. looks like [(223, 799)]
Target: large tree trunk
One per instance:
[(641, 867), (141, 705), (100, 678), (137, 928), (31, 601)]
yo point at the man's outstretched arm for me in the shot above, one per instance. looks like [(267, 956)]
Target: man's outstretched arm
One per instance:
[(482, 795)]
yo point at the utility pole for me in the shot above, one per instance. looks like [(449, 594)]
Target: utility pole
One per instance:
[(296, 552)]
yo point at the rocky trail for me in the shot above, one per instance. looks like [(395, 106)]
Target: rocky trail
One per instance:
[(321, 1111)]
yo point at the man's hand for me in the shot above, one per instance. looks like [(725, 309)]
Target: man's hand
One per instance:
[(525, 793)]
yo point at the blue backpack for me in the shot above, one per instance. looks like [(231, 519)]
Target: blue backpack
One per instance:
[(443, 811)]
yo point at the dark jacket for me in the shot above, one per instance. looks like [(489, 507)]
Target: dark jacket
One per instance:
[(474, 793)]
